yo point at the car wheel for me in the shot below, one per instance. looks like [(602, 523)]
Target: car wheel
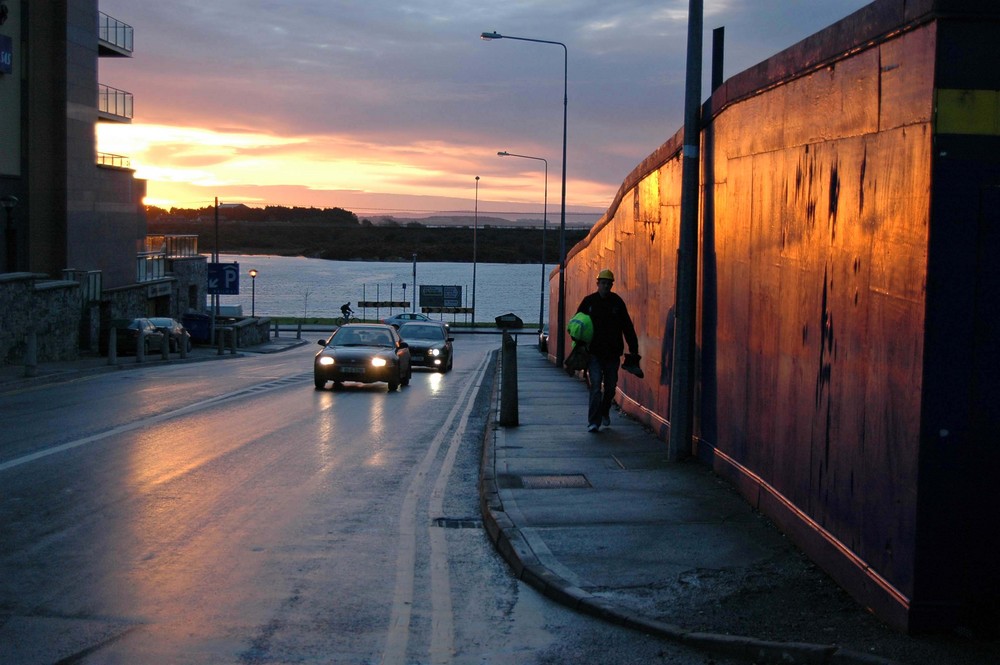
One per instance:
[(319, 381)]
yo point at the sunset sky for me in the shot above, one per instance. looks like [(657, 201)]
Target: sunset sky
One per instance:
[(394, 107)]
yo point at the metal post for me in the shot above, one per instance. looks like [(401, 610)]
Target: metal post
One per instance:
[(683, 381), (475, 231), (508, 381), (31, 355), (113, 346)]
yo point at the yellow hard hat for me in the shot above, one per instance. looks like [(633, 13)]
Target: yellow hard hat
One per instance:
[(606, 274)]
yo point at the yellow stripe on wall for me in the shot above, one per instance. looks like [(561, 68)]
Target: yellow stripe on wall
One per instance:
[(968, 112)]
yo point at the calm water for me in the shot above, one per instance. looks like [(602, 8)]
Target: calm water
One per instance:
[(301, 287)]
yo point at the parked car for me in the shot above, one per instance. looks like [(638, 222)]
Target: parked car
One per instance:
[(178, 335), (363, 353), (127, 336), (406, 317), (430, 345)]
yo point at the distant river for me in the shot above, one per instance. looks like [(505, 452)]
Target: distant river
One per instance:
[(302, 287)]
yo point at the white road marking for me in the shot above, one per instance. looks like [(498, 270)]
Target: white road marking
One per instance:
[(152, 420), (402, 602)]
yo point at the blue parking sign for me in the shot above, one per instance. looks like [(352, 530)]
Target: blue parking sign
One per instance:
[(224, 279)]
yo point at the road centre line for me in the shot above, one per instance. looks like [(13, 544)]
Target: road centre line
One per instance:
[(402, 602), (151, 420)]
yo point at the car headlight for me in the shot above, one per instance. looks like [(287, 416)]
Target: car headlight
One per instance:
[(435, 352), (378, 362), (325, 360)]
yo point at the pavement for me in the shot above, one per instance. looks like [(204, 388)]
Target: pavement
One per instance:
[(605, 524)]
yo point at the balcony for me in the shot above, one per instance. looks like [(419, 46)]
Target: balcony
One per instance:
[(114, 38), (113, 105), (114, 161), (171, 246)]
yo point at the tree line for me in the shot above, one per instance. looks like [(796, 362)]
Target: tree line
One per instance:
[(338, 234)]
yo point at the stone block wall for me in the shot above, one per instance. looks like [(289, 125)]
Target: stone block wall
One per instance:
[(50, 308)]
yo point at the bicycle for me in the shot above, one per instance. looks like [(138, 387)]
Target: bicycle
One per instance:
[(347, 317)]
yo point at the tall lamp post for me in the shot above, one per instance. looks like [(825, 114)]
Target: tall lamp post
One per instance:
[(475, 232), (253, 293), (545, 223), (561, 317)]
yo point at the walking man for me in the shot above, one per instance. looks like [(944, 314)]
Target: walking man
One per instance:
[(612, 323)]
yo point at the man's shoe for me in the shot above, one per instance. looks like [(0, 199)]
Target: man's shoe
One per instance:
[(606, 421), (593, 428)]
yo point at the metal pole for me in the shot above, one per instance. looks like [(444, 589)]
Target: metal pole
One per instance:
[(414, 308), (683, 381), (475, 232), (561, 317), (545, 222)]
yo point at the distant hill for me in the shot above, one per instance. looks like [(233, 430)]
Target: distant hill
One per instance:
[(338, 234)]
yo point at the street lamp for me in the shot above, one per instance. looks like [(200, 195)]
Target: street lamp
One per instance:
[(10, 235), (475, 232), (545, 222), (253, 293), (561, 317)]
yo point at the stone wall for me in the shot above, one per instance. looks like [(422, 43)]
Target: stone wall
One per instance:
[(31, 302)]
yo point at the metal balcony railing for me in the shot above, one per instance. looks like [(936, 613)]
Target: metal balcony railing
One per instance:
[(114, 37), (114, 161), (114, 104), (150, 266), (171, 246)]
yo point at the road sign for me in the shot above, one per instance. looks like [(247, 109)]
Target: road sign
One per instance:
[(224, 279), (440, 296)]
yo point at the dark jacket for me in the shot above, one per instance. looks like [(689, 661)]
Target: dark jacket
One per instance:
[(611, 323)]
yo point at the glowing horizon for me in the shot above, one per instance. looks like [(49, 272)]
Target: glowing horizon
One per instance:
[(181, 164)]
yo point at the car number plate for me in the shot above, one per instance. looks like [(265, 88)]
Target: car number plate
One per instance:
[(352, 370), (417, 358)]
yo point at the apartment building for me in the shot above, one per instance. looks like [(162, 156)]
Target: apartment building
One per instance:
[(72, 215)]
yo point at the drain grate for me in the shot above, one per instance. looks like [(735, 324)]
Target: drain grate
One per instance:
[(544, 482), (457, 522)]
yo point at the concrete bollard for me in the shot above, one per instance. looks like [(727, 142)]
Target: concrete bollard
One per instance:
[(184, 346), (165, 347), (31, 355), (220, 340), (298, 333), (508, 381), (232, 341), (140, 347), (113, 347)]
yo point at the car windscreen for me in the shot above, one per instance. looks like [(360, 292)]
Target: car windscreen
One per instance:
[(421, 332)]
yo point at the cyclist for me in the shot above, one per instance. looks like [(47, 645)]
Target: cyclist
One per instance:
[(346, 310)]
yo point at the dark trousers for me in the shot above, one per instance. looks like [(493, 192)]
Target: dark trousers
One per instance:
[(602, 373)]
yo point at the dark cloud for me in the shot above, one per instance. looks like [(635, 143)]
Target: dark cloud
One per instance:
[(416, 71)]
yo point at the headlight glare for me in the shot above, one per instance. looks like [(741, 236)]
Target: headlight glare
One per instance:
[(378, 362), (325, 360)]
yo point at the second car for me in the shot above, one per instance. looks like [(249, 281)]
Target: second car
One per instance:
[(430, 345)]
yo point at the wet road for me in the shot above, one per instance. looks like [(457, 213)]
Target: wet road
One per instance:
[(227, 512)]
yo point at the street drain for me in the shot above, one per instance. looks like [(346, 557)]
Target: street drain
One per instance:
[(458, 523), (544, 482)]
